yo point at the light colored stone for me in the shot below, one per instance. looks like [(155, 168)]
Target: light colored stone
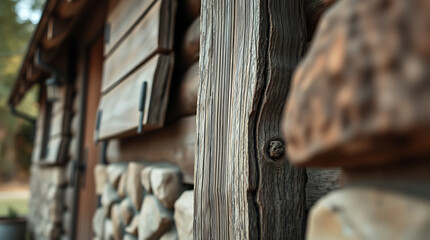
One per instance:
[(118, 231), (129, 237), (154, 219), (369, 213), (122, 189), (133, 186), (51, 231), (67, 221), (55, 211), (69, 196), (133, 227), (126, 211), (184, 210), (114, 172), (100, 177), (166, 184), (171, 234), (57, 176), (145, 178), (55, 193), (109, 197), (360, 96), (108, 230), (98, 222), (113, 150)]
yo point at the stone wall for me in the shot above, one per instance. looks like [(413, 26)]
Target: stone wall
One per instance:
[(47, 208), (142, 201)]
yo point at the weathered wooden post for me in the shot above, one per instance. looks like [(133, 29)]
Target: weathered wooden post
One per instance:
[(245, 187)]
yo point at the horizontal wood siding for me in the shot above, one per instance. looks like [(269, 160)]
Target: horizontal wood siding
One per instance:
[(154, 33), (122, 18), (120, 107)]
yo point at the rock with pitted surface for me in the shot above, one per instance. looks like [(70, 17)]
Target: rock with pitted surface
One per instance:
[(184, 210), (133, 186), (118, 230), (361, 95), (100, 177), (108, 230), (145, 178), (154, 219), (122, 189), (171, 234), (369, 213), (109, 197), (98, 222), (114, 172), (133, 227), (166, 183), (126, 211)]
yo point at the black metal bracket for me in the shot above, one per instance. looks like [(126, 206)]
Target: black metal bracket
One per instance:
[(142, 105), (103, 150), (107, 33), (98, 123)]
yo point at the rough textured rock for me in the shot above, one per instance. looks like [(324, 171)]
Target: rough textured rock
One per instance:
[(145, 178), (67, 221), (133, 185), (57, 176), (55, 211), (166, 184), (100, 177), (98, 222), (114, 172), (68, 197), (109, 197), (369, 213), (133, 227), (184, 210), (171, 234), (129, 237), (55, 194), (361, 96), (122, 190), (108, 230), (118, 230), (126, 211), (154, 219)]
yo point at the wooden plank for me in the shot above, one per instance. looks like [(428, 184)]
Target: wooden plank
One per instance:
[(245, 187), (154, 33), (190, 46), (57, 127), (120, 107), (174, 143), (183, 99), (59, 105), (122, 18), (320, 182)]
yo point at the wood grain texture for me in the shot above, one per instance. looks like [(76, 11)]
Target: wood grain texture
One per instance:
[(248, 52), (183, 100), (174, 144), (122, 18), (320, 182), (154, 33), (120, 107)]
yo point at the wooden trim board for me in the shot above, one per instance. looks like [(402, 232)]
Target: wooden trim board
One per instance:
[(120, 107), (154, 33)]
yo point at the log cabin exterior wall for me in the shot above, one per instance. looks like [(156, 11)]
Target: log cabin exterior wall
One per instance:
[(173, 133)]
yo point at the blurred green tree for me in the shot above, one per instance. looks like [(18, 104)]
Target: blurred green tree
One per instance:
[(17, 18)]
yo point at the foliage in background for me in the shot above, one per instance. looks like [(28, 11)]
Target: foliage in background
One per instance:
[(15, 134)]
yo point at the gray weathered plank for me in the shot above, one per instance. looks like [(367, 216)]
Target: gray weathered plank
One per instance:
[(122, 18), (120, 107), (245, 188), (154, 33)]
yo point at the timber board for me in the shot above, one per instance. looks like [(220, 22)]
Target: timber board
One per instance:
[(153, 34), (120, 107)]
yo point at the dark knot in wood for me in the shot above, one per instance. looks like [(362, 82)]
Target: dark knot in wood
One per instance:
[(276, 149)]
